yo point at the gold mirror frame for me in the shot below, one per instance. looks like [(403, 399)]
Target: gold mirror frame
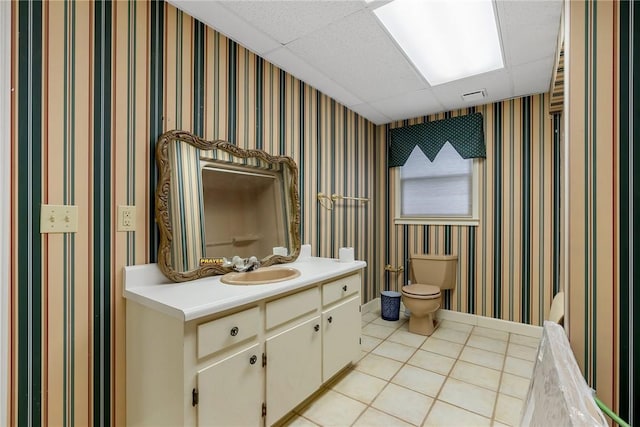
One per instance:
[(162, 203)]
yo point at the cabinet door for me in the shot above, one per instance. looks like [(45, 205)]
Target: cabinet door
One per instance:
[(341, 336), (231, 390), (293, 367)]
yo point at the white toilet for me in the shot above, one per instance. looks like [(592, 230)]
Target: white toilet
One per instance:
[(429, 275)]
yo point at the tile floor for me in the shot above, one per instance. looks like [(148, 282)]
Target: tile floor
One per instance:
[(462, 375)]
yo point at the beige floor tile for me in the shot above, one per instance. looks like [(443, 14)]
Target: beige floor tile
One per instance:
[(488, 344), (369, 343), (395, 324), (448, 324), (377, 331), (499, 424), (514, 385), (333, 409), (378, 366), (443, 414), (363, 323), (524, 340), (432, 362), (453, 335), (522, 352), (482, 358), (420, 380), (394, 351), (374, 418), (407, 338), (445, 348), (369, 317), (359, 386), (508, 410), (520, 367), (468, 396), (405, 404), (298, 421), (477, 375), (490, 333)]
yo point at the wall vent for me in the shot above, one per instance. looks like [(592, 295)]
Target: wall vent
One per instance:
[(477, 95)]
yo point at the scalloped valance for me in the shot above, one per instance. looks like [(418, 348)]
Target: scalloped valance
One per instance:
[(464, 133)]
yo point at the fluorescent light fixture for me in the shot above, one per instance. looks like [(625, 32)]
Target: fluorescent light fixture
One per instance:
[(445, 39)]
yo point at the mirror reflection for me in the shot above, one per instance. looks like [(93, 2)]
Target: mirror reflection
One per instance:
[(244, 213), (216, 202)]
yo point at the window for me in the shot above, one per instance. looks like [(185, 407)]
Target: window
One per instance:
[(439, 192)]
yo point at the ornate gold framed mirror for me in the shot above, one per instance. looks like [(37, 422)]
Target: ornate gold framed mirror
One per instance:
[(215, 201)]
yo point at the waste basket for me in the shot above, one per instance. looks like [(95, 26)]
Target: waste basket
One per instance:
[(390, 301)]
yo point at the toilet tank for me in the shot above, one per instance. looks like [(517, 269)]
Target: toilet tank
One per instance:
[(435, 270)]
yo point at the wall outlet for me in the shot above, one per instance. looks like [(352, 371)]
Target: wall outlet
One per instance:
[(58, 219), (126, 218)]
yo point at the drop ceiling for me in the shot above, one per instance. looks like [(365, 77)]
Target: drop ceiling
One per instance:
[(340, 48)]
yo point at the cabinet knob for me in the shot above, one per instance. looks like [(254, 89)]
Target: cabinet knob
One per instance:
[(344, 288), (330, 319), (253, 359), (234, 331), (316, 328)]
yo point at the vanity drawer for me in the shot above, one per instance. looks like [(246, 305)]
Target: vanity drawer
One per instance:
[(229, 330), (341, 288), (284, 309)]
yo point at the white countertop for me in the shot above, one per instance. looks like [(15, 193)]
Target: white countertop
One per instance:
[(146, 285)]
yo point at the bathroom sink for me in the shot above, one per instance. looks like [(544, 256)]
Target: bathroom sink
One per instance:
[(261, 276)]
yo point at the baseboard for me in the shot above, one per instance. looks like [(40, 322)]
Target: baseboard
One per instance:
[(490, 322), (470, 319), (370, 306)]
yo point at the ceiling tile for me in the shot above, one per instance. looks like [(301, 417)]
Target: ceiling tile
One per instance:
[(226, 22), (411, 104), (368, 111), (286, 21), (356, 53), (286, 60), (527, 76), (530, 29), (497, 85)]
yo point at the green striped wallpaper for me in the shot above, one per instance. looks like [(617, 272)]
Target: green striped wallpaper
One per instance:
[(629, 178), (96, 84), (507, 264), (602, 58)]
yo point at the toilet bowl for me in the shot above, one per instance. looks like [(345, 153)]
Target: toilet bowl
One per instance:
[(430, 274), (422, 301)]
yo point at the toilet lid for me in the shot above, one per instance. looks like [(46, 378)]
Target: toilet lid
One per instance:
[(420, 289)]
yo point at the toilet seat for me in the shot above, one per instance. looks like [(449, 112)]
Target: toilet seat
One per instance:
[(421, 291)]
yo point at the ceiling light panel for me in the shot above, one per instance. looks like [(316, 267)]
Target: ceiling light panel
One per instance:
[(446, 40)]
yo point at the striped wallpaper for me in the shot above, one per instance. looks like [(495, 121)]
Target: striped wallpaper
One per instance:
[(629, 178), (95, 83), (602, 62), (508, 266)]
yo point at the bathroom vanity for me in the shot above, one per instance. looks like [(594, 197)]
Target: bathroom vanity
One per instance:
[(205, 353)]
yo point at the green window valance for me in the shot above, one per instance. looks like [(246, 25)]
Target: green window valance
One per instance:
[(464, 133)]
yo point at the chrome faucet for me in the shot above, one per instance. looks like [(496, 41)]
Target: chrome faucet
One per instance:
[(245, 264)]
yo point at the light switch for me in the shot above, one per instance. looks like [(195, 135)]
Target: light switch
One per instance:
[(126, 218), (58, 219)]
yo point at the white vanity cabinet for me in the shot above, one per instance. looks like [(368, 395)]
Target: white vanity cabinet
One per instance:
[(244, 366), (229, 392), (293, 368), (341, 324)]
